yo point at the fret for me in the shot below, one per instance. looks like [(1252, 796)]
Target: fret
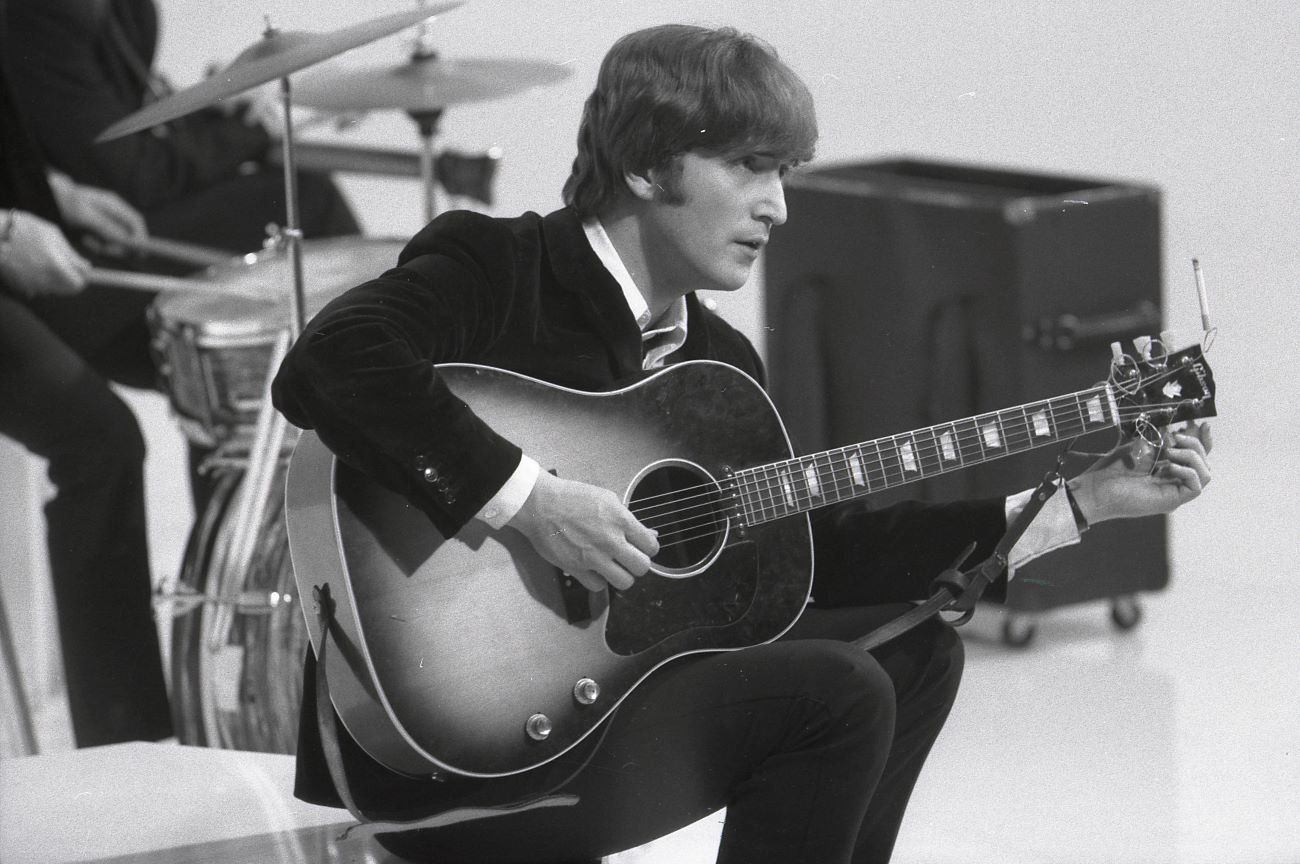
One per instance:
[(752, 494), (1018, 438), (891, 466), (829, 470), (874, 464), (969, 445), (927, 446), (770, 492), (1072, 423)]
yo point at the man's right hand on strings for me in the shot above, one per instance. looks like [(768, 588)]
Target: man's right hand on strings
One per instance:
[(586, 532)]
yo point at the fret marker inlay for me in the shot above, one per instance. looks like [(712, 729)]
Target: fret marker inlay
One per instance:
[(1041, 427), (814, 485), (787, 489), (946, 444), (1095, 414), (991, 435), (907, 456), (855, 469)]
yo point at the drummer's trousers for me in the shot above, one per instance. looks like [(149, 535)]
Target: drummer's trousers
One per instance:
[(55, 400)]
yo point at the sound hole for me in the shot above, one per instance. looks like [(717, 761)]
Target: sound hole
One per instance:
[(682, 503)]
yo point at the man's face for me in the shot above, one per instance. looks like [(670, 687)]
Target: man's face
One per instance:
[(711, 218)]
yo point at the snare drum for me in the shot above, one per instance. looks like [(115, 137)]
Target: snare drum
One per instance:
[(214, 349)]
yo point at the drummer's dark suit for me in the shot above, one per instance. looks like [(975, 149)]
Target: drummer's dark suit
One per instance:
[(530, 295), (80, 65), (55, 400)]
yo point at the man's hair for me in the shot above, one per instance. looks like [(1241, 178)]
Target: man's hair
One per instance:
[(672, 89)]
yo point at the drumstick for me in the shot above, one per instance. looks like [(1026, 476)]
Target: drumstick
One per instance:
[(185, 253), (142, 281), (158, 284)]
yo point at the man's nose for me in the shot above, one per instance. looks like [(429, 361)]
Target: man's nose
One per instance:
[(771, 204)]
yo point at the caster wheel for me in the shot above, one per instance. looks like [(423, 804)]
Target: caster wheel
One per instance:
[(1018, 631), (1125, 612)]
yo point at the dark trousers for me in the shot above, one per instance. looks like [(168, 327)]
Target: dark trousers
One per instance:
[(812, 746), (56, 404)]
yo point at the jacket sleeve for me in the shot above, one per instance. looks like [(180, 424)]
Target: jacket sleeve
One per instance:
[(864, 555), (72, 83), (362, 372)]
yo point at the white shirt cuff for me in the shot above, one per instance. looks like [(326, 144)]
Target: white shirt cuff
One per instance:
[(511, 496), (1052, 528)]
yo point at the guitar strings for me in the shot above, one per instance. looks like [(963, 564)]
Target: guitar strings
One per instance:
[(1013, 437), (761, 487), (707, 514), (977, 430)]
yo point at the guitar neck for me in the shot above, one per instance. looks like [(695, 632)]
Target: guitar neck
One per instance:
[(804, 483)]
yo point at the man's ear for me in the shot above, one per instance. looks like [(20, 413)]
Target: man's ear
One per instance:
[(641, 185)]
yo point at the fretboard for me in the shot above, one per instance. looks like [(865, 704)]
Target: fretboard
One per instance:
[(804, 483)]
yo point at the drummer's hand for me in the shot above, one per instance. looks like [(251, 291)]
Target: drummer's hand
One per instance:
[(97, 210), (37, 258)]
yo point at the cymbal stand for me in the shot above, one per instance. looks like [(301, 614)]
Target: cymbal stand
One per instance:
[(264, 453), (427, 122)]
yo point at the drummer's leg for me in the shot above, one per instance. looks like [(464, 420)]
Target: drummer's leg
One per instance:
[(233, 215), (59, 408)]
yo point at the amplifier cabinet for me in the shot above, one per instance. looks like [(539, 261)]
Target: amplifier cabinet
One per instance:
[(903, 293)]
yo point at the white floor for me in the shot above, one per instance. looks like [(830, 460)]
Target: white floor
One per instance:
[(1175, 743)]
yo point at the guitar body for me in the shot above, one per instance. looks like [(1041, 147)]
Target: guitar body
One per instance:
[(448, 649)]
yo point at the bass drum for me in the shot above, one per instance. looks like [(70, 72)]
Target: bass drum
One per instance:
[(237, 650)]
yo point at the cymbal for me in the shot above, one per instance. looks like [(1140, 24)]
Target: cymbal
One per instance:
[(275, 55), (423, 83)]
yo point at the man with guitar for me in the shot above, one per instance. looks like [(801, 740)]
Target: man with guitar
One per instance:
[(811, 744)]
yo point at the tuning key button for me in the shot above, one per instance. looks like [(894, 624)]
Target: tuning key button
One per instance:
[(538, 727), (586, 691)]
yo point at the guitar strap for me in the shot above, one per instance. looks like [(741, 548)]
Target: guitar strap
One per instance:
[(959, 590), (329, 736)]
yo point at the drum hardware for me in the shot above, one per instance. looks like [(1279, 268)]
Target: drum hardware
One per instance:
[(423, 86), (459, 174), (276, 56)]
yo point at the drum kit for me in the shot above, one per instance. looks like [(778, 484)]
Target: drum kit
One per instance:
[(237, 634)]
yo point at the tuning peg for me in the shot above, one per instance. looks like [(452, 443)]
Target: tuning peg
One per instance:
[(1116, 352), (1142, 345)]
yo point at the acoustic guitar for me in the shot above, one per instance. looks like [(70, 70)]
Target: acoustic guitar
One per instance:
[(473, 655)]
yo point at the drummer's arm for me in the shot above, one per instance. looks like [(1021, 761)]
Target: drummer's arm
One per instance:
[(59, 66)]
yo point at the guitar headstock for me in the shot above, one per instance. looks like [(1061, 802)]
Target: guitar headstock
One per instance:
[(1159, 388)]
